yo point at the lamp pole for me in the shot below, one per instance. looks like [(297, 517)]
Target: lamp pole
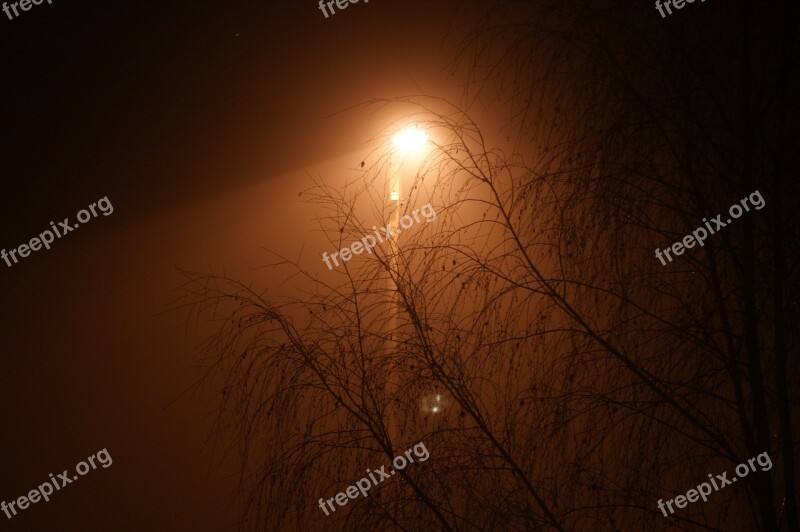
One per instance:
[(394, 318)]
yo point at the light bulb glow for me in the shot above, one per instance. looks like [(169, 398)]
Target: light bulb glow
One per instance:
[(409, 139)]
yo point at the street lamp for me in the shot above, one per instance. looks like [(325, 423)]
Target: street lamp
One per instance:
[(406, 141)]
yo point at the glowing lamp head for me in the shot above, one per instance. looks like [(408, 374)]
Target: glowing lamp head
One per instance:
[(409, 139)]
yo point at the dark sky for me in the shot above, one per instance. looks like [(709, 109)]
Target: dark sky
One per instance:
[(199, 121)]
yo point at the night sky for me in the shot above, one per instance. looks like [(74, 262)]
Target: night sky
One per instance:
[(193, 118)]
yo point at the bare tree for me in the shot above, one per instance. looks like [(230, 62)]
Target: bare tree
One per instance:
[(669, 124)]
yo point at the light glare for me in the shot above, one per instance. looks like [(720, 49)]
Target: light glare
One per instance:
[(410, 139)]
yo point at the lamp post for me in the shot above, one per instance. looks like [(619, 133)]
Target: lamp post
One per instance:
[(405, 141)]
